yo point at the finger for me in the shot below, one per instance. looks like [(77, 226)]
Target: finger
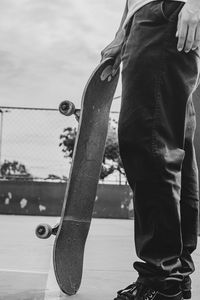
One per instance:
[(105, 52), (190, 37), (182, 35), (196, 43), (116, 65), (178, 25), (108, 53), (103, 55)]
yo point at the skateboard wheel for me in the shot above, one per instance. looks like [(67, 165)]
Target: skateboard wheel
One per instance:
[(67, 108), (43, 231)]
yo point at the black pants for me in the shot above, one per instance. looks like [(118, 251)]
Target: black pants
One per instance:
[(156, 132)]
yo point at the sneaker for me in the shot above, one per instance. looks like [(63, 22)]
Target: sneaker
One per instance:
[(138, 291), (186, 288)]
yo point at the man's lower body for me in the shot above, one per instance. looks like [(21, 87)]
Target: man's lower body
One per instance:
[(156, 132)]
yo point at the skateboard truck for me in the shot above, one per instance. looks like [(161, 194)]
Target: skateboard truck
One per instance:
[(67, 108), (44, 231)]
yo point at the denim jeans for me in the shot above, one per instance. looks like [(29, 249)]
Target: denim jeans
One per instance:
[(156, 132)]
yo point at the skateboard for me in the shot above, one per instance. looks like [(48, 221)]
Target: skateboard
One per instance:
[(72, 230)]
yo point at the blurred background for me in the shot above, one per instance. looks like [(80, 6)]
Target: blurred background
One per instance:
[(48, 50)]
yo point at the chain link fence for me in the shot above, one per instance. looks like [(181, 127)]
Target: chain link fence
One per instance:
[(29, 144)]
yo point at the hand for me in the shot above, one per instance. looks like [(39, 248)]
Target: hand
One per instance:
[(114, 50), (188, 28)]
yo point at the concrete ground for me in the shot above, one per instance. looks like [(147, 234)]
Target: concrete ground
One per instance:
[(26, 271)]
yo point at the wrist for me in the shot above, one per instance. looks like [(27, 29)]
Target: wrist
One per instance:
[(193, 5), (120, 35)]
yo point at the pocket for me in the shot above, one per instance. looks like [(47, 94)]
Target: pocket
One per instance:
[(170, 9), (196, 52)]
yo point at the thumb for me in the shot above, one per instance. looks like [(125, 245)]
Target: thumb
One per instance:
[(178, 24), (116, 65)]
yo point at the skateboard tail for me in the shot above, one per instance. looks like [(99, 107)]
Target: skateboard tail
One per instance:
[(68, 262)]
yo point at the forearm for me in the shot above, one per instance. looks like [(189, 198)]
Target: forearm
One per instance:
[(123, 19), (114, 48)]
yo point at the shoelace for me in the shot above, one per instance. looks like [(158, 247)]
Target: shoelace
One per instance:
[(127, 293), (149, 294), (130, 291)]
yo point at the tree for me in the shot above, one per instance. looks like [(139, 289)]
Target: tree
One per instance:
[(67, 141), (56, 177), (111, 159), (13, 170)]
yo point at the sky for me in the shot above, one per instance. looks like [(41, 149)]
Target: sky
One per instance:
[(48, 48)]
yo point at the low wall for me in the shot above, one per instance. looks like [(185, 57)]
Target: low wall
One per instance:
[(46, 198)]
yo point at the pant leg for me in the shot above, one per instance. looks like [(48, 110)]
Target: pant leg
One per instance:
[(157, 82), (189, 203)]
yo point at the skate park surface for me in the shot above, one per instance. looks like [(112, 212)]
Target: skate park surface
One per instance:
[(26, 270)]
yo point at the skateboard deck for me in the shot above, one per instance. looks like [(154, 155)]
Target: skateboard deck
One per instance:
[(71, 234)]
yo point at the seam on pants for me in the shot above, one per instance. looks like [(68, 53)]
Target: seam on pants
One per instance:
[(157, 93)]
